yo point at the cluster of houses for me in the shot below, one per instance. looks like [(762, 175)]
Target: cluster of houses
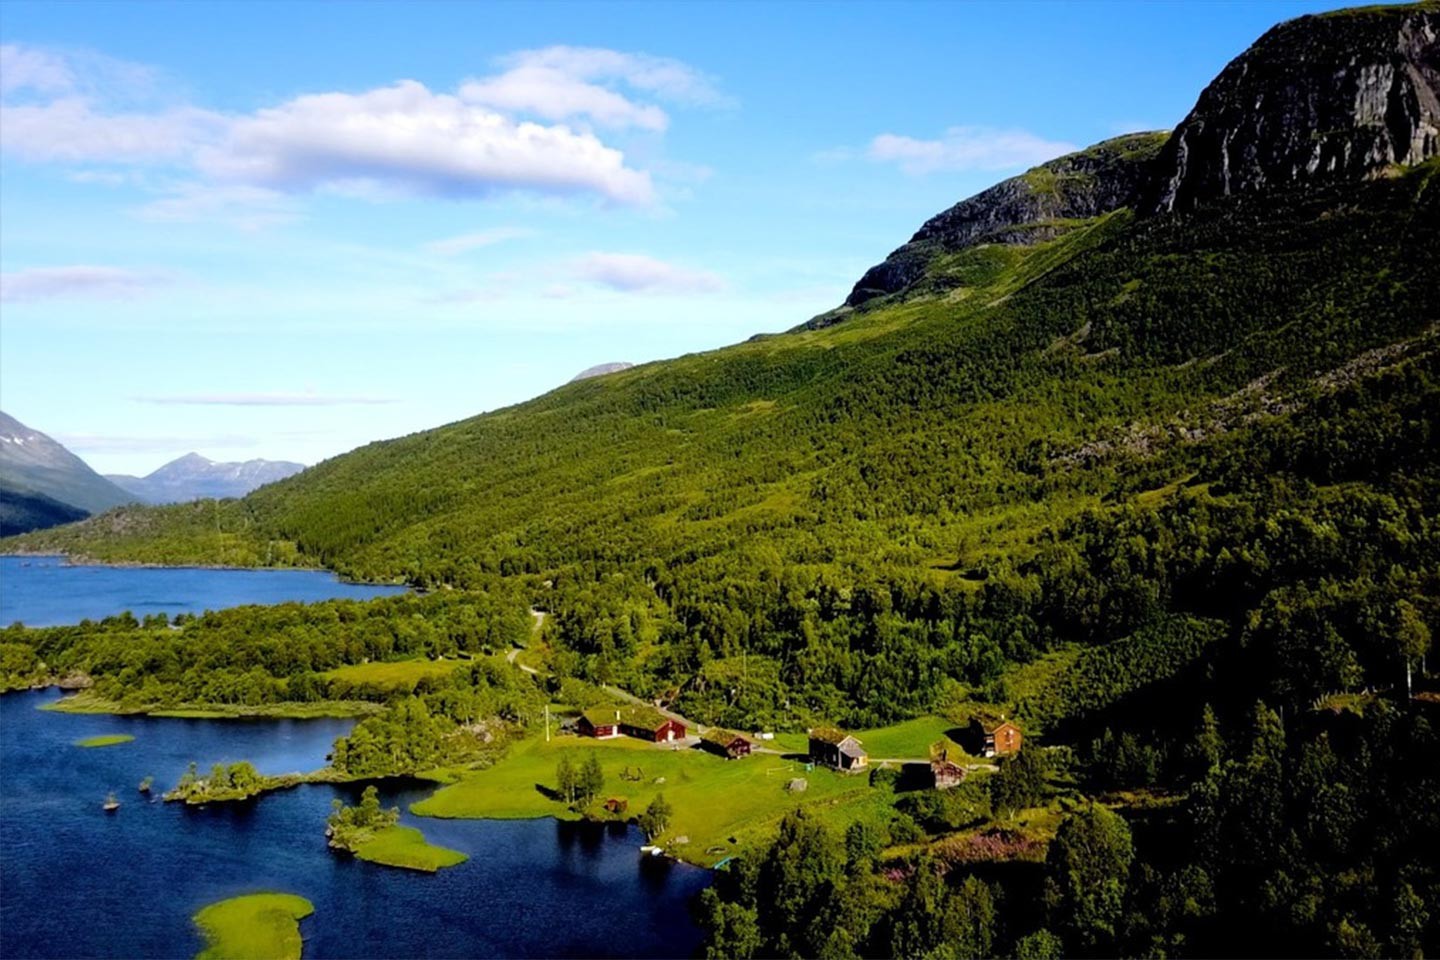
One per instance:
[(987, 736)]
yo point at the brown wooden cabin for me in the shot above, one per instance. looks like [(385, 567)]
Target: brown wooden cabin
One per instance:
[(727, 744), (617, 805), (642, 723), (836, 748), (994, 737), (599, 722)]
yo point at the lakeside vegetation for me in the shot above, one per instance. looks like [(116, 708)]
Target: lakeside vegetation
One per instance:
[(257, 926), (372, 833), (106, 740)]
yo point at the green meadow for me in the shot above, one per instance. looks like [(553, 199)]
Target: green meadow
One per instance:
[(720, 805), (406, 847), (258, 926)]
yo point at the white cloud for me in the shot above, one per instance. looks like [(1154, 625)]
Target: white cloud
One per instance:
[(637, 273), (26, 68), (90, 282), (966, 148), (465, 242), (406, 137), (523, 129), (566, 83), (264, 400)]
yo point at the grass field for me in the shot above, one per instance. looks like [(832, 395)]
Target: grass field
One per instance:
[(406, 847), (720, 805), (399, 675), (260, 926), (105, 740), (86, 703), (910, 740)]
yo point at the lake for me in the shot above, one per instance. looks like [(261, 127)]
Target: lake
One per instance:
[(47, 591), (78, 882)]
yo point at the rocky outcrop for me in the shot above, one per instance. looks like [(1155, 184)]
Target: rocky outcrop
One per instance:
[(600, 369), (1030, 208), (1338, 96)]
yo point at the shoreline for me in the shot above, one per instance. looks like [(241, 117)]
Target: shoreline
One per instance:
[(82, 560)]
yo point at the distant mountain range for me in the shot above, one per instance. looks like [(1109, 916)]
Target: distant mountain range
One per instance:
[(33, 463), (193, 477)]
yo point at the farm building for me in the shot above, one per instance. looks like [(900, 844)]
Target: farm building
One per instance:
[(643, 723), (994, 737), (836, 748), (944, 772), (725, 743)]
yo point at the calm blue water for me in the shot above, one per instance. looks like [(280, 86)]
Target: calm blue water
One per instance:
[(46, 591), (77, 882)]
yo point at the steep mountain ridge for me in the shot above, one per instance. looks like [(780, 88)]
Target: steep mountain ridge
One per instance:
[(1337, 96), (1037, 205), (193, 477), (34, 462)]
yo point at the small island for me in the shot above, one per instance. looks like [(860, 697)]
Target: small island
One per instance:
[(105, 740), (372, 833), (258, 926)]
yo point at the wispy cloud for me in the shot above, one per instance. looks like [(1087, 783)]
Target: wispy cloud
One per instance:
[(637, 273), (465, 242), (25, 68), (963, 149), (567, 83), (247, 207), (79, 281), (264, 400)]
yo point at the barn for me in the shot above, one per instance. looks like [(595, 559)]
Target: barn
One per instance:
[(725, 743), (994, 737), (835, 748)]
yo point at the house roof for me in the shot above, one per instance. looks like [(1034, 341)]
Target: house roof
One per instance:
[(851, 747), (722, 738), (602, 716), (631, 715), (829, 734), (990, 722)]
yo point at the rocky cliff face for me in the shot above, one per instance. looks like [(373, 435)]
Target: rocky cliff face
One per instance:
[(1026, 209), (1339, 96)]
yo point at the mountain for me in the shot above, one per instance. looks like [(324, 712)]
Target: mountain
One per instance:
[(30, 461), (22, 510), (193, 477), (599, 370)]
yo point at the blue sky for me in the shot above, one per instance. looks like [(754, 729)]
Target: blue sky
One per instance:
[(284, 230)]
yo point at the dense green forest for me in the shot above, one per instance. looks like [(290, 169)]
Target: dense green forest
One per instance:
[(1164, 489)]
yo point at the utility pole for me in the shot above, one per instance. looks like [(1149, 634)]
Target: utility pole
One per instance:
[(547, 723)]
